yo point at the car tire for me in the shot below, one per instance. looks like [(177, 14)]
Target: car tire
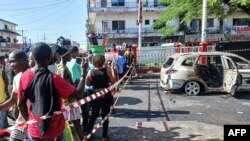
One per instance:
[(192, 88)]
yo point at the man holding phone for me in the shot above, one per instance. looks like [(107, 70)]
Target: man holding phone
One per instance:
[(74, 65)]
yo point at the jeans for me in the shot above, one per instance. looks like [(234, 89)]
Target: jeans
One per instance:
[(3, 119), (102, 104), (85, 111)]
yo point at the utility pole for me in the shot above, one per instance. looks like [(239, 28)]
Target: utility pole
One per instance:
[(139, 23), (25, 41), (203, 31), (88, 28), (37, 38), (204, 21), (44, 38), (30, 42), (22, 33)]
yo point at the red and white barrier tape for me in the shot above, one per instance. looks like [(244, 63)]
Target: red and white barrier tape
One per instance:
[(68, 107), (236, 50), (156, 55), (97, 126)]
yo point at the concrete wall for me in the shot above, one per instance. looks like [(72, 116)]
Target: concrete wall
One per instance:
[(11, 27), (130, 19)]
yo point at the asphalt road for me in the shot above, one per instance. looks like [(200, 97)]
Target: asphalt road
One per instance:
[(144, 101)]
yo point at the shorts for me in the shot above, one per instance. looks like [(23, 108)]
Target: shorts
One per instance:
[(19, 133), (72, 114)]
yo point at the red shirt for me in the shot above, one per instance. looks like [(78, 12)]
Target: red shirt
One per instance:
[(57, 122)]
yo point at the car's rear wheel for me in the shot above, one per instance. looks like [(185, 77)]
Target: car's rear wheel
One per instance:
[(192, 88)]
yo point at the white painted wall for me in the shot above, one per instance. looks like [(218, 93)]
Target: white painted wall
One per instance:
[(131, 3), (10, 26), (130, 19), (1, 25), (228, 22)]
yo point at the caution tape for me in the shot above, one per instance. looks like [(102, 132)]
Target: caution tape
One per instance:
[(97, 126), (236, 50), (155, 55), (68, 107)]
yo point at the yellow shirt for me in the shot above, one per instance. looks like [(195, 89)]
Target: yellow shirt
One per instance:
[(2, 89), (128, 52)]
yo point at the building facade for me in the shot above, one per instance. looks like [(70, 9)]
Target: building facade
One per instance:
[(118, 19), (8, 36), (8, 31), (233, 28)]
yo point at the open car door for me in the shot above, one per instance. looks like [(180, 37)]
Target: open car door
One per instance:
[(230, 75)]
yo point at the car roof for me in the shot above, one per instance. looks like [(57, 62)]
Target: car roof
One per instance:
[(195, 54)]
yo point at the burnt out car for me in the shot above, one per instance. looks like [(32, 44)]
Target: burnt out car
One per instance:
[(196, 73)]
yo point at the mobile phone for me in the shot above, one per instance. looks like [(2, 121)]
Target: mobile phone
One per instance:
[(78, 60)]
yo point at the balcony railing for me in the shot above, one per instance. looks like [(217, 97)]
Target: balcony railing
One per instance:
[(9, 31), (210, 30), (124, 6), (127, 32), (197, 37)]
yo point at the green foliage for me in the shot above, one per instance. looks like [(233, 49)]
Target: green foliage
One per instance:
[(186, 10)]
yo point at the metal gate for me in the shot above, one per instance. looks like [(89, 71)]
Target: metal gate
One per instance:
[(154, 57)]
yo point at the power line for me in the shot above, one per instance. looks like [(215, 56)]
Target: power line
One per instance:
[(59, 18), (41, 18), (33, 13), (32, 8), (29, 2)]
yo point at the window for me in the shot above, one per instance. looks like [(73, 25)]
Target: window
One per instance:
[(5, 27), (8, 39), (241, 22), (169, 62), (147, 22), (229, 64), (15, 40), (118, 25), (189, 62), (210, 22), (118, 2), (240, 63)]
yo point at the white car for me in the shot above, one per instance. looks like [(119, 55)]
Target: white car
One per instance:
[(203, 72)]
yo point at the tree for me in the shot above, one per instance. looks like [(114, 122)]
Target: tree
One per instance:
[(187, 9)]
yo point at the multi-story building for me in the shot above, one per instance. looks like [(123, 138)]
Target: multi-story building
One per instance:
[(8, 36), (233, 27), (8, 31), (118, 19)]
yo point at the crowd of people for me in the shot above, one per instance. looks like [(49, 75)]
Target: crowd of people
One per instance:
[(44, 81)]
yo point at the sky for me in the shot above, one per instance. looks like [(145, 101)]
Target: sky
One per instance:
[(47, 18)]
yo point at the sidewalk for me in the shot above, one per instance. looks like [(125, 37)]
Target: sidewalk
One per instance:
[(174, 131)]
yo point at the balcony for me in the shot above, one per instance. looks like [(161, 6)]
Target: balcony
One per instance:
[(124, 7), (127, 32), (10, 31), (234, 30), (210, 30), (209, 37)]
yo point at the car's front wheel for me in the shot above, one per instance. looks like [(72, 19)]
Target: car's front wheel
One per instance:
[(192, 88)]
